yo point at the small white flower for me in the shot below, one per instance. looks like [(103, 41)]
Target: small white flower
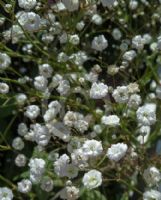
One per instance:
[(60, 165), (47, 184), (146, 114), (144, 130), (138, 42), (116, 33), (21, 98), (71, 171), (117, 151), (74, 39), (30, 21), (6, 193), (40, 83), (98, 90), (37, 168), (64, 87), (112, 120), (133, 4), (99, 43), (22, 129), (18, 143), (92, 179), (4, 88), (152, 194), (79, 58), (32, 112), (70, 193), (41, 134), (129, 55), (97, 19), (24, 186), (5, 61), (79, 157), (134, 101), (92, 148), (120, 94), (45, 70), (20, 160), (152, 176), (27, 4), (80, 25)]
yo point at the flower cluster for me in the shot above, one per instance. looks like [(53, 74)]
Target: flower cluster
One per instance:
[(80, 91)]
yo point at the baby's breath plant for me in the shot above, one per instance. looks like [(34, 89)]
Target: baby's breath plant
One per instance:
[(80, 94)]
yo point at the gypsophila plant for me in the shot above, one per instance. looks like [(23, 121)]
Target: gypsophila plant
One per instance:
[(80, 99)]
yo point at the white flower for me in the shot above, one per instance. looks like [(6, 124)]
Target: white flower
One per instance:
[(92, 148), (97, 19), (92, 179), (144, 130), (80, 25), (62, 57), (71, 171), (74, 39), (60, 165), (120, 94), (98, 90), (117, 151), (4, 88), (99, 43), (138, 42), (79, 158), (45, 70), (20, 160), (22, 129), (79, 58), (21, 98), (27, 4), (5, 61), (129, 55), (32, 112), (97, 128), (47, 184), (81, 125), (69, 193), (112, 120), (18, 143), (72, 192), (152, 194), (134, 101), (41, 134), (70, 118), (30, 21), (152, 176), (133, 4), (37, 168), (116, 33), (24, 186), (71, 5), (64, 87), (53, 109), (6, 193), (146, 114), (40, 83), (16, 33)]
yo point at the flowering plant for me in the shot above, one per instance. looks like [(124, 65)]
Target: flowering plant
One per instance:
[(80, 90)]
